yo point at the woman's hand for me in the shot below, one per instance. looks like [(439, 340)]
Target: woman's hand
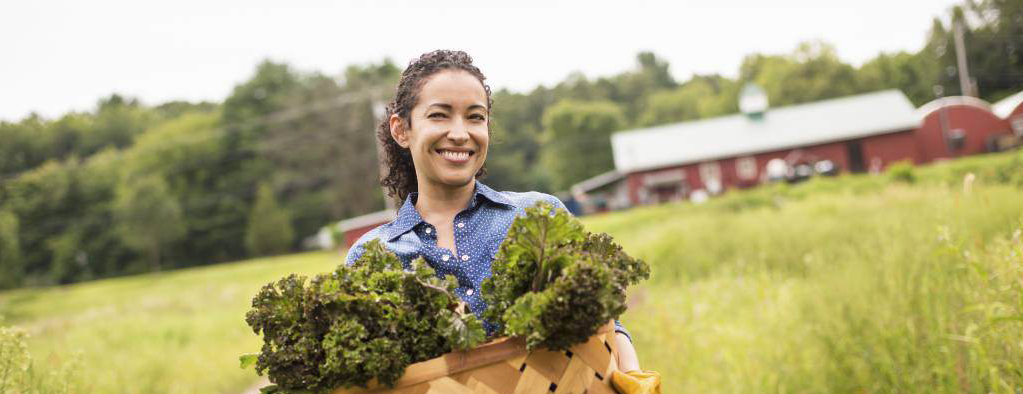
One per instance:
[(632, 380), (637, 382)]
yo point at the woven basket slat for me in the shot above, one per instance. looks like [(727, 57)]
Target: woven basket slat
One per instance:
[(480, 388), (492, 378), (446, 385), (422, 388), (578, 376), (599, 387), (594, 353), (503, 367), (612, 341), (532, 381), (549, 364), (516, 362)]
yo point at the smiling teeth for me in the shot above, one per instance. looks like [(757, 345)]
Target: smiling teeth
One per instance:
[(455, 155)]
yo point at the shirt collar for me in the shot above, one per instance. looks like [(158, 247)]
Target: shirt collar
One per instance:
[(408, 217), (490, 194)]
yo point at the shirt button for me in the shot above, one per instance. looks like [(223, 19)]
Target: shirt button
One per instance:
[(465, 257), (445, 257), (460, 225), (428, 230), (468, 292)]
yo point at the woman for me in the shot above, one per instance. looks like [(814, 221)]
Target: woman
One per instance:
[(436, 136)]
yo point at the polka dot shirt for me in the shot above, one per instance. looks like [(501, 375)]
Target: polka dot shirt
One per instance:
[(479, 230)]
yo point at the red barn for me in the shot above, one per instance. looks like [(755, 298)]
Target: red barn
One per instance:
[(857, 133), (959, 126), (355, 227), (854, 133), (1011, 110)]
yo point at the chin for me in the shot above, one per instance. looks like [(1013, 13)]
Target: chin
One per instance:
[(459, 181)]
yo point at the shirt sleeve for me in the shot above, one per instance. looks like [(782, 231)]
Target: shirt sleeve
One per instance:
[(558, 204), (353, 254)]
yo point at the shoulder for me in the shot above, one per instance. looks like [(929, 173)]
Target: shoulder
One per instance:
[(523, 200), (357, 248)]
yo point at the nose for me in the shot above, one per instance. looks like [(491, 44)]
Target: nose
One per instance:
[(459, 133)]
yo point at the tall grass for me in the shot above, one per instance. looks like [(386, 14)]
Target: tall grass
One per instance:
[(861, 284), (173, 332), (864, 287)]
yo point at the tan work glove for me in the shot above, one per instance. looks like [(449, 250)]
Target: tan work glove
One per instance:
[(637, 382)]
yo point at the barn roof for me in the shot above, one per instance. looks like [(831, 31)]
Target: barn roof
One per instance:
[(779, 128), (1005, 107), (951, 101), (370, 219)]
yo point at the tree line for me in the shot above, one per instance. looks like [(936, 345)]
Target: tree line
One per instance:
[(130, 188)]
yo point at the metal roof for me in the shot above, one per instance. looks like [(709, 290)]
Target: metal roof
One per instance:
[(596, 182), (1004, 107), (780, 128), (370, 219), (951, 101)]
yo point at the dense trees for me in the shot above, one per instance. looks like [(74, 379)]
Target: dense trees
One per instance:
[(577, 140), (269, 229), (128, 187)]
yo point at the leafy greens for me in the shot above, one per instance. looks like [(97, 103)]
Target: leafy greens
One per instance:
[(361, 322), (554, 283)]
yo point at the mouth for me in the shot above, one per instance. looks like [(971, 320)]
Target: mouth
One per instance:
[(456, 155)]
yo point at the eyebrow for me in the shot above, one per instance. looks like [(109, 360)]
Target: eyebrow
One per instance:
[(448, 107)]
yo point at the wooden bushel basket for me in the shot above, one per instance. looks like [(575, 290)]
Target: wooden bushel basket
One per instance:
[(502, 366)]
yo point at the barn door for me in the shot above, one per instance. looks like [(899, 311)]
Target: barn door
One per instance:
[(855, 152)]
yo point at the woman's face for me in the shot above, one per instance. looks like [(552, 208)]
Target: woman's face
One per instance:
[(449, 133)]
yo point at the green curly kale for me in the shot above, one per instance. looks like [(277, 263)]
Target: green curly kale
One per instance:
[(361, 322), (553, 283)]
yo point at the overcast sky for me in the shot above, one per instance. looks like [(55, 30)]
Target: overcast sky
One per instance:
[(58, 56)]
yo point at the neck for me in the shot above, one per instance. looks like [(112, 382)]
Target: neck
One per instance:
[(439, 200)]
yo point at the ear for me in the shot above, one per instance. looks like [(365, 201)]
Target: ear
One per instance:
[(398, 131)]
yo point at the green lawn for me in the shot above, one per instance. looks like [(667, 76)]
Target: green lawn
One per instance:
[(173, 332), (855, 284)]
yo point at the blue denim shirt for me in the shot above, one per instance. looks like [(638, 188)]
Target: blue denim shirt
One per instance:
[(479, 230)]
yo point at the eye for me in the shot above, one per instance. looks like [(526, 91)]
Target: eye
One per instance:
[(437, 115), (477, 117)]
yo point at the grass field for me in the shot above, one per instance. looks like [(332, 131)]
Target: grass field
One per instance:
[(847, 285)]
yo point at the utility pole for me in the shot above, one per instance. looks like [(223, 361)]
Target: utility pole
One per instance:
[(965, 85)]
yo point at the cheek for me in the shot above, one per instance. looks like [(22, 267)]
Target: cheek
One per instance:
[(425, 137), (482, 137)]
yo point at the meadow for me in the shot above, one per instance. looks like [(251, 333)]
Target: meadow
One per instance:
[(909, 281)]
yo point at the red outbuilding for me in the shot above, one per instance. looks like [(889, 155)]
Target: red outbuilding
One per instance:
[(959, 126), (1011, 110), (861, 133)]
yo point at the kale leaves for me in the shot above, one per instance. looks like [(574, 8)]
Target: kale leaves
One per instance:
[(552, 283), (555, 284), (361, 322)]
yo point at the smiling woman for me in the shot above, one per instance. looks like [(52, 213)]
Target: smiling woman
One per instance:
[(436, 136)]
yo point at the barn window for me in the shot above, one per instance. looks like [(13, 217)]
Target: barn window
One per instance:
[(746, 168), (956, 139), (710, 171)]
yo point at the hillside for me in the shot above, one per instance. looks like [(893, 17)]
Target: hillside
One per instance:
[(889, 283)]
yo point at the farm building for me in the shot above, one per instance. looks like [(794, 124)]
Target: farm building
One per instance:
[(349, 230), (1011, 110), (860, 133)]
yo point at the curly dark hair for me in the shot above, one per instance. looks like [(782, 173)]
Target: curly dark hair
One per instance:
[(401, 172)]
